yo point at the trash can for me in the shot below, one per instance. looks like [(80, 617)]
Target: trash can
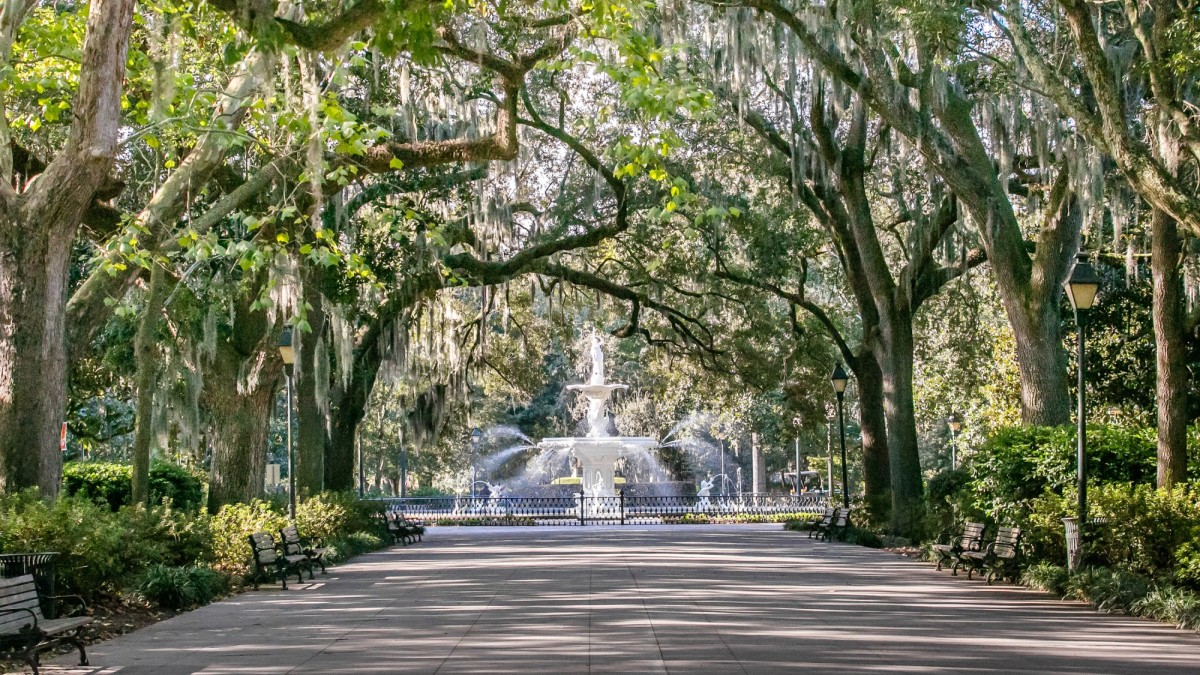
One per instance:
[(40, 565), (1073, 547)]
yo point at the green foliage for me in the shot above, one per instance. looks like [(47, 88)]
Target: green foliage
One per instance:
[(1047, 577), (1109, 589), (1174, 605), (112, 484), (231, 527), (863, 537), (348, 545), (1016, 465), (181, 587)]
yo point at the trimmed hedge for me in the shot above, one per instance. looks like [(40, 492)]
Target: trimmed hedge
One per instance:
[(112, 484)]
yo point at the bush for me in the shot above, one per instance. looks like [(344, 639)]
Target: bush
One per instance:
[(112, 484), (231, 527), (1110, 590), (1016, 465), (1175, 605), (351, 544), (92, 541), (181, 587), (1047, 577), (863, 537)]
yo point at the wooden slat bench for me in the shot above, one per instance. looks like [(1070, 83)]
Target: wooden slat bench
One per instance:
[(1000, 558), (403, 530), (822, 524), (837, 528), (294, 544), (25, 633), (971, 539), (270, 564)]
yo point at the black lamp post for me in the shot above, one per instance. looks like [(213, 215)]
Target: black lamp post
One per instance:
[(840, 379), (955, 423), (288, 355), (1082, 285), (476, 436)]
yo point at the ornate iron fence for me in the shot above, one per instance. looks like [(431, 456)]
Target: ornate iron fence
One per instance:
[(619, 510)]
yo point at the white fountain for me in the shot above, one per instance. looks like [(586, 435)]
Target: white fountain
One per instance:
[(597, 453)]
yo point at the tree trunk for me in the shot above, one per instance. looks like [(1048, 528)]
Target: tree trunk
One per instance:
[(33, 364), (896, 363), (240, 424), (38, 228), (346, 413), (240, 385), (877, 481), (1171, 374), (145, 350), (312, 432)]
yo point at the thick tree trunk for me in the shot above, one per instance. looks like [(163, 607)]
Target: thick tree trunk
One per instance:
[(38, 227), (33, 364), (240, 424), (1171, 373), (877, 481), (312, 432), (240, 385), (896, 363), (146, 353), (346, 413)]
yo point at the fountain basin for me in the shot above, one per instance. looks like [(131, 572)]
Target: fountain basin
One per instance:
[(598, 455)]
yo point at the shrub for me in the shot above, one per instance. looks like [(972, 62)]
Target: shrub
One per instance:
[(321, 517), (863, 537), (1047, 577), (1110, 590), (231, 527), (1175, 605), (168, 535), (92, 541), (351, 544), (112, 484), (1016, 465), (1151, 532), (181, 587)]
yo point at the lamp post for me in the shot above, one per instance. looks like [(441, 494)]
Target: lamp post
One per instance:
[(1082, 285), (955, 423), (288, 355), (476, 436), (840, 379)]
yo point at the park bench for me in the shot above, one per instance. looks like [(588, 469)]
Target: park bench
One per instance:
[(822, 524), (999, 558), (269, 563), (294, 544), (403, 530), (25, 632), (837, 528), (950, 553)]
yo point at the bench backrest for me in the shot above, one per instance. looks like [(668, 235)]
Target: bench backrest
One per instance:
[(828, 516), (972, 536), (290, 536), (1008, 539), (843, 518), (263, 547), (18, 593)]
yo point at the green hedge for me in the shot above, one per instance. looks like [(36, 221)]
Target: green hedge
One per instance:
[(167, 554), (112, 484)]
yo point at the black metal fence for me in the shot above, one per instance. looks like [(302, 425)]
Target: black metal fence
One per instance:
[(618, 510)]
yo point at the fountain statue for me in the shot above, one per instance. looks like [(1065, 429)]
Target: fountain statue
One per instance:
[(596, 454), (706, 486)]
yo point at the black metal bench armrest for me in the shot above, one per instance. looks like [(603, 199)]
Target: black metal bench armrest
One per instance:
[(81, 602), (14, 610)]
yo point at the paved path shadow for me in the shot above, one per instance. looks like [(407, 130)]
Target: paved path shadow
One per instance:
[(720, 599)]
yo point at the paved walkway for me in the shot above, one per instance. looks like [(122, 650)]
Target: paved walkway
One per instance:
[(735, 599)]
